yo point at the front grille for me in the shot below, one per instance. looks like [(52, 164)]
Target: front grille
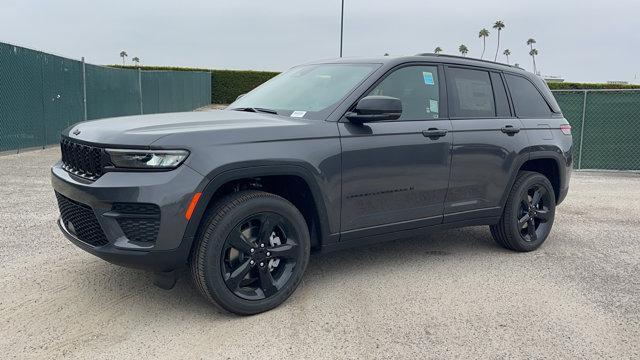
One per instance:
[(82, 160), (138, 221), (80, 220)]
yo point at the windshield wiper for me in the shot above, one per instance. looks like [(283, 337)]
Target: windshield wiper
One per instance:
[(256, 109)]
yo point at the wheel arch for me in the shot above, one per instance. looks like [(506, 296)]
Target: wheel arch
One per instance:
[(218, 184), (548, 167), (548, 163)]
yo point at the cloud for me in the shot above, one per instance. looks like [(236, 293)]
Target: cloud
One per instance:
[(576, 39)]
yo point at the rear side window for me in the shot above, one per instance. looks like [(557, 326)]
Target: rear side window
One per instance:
[(527, 100), (502, 102), (470, 92)]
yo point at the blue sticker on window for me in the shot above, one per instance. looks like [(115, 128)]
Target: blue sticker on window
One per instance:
[(428, 77)]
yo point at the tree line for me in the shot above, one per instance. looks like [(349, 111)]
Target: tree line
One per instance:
[(484, 34)]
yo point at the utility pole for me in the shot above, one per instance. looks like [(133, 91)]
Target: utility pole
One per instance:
[(341, 26)]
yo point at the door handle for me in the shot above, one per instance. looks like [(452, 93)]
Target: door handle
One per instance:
[(510, 130), (434, 133)]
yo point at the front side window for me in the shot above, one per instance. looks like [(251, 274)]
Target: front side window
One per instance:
[(308, 91), (470, 93), (527, 100), (417, 87)]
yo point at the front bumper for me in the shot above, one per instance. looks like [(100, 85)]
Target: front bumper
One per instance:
[(171, 191)]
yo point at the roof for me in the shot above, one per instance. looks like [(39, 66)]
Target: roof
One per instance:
[(451, 59)]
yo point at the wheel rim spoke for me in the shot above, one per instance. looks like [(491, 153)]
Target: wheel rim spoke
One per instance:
[(285, 251), (240, 243), (267, 223), (537, 196), (236, 277), (543, 215), (523, 220), (266, 281), (531, 230)]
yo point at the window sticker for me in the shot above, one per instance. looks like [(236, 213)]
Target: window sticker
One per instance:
[(474, 95), (433, 106), (298, 114), (428, 78)]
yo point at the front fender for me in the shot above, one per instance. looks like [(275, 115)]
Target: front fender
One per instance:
[(327, 212)]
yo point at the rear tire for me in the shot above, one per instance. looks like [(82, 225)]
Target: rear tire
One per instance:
[(528, 214), (251, 253)]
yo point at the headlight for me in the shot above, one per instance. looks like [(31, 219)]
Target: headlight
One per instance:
[(147, 159)]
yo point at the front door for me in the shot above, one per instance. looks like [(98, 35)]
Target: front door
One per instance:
[(395, 173)]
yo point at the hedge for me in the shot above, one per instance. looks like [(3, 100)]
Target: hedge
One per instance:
[(226, 85), (588, 86)]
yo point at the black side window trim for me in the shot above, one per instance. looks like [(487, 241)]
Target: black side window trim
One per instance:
[(507, 93)]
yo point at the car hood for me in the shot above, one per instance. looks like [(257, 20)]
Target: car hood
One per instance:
[(144, 130)]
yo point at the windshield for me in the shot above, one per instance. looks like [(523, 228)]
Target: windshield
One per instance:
[(308, 91)]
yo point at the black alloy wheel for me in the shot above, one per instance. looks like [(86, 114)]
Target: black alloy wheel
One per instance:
[(533, 218), (251, 252), (528, 214), (259, 256)]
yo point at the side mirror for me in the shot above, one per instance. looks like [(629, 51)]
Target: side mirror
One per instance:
[(375, 108)]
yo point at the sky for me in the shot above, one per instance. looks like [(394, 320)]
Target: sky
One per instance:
[(580, 40)]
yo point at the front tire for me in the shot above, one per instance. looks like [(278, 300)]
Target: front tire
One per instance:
[(251, 253), (528, 214)]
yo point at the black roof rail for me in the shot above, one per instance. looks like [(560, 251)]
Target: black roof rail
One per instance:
[(466, 58)]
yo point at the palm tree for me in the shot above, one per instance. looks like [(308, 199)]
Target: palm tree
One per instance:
[(437, 50), (533, 54), (463, 49), (136, 60), (483, 34), (530, 42), (123, 54), (499, 25), (506, 53)]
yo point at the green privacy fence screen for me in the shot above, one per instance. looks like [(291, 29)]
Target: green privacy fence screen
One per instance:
[(605, 126), (167, 91), (41, 94)]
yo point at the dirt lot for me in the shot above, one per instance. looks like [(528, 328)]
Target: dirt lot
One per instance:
[(453, 294)]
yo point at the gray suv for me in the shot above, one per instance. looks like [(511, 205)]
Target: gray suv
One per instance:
[(325, 156)]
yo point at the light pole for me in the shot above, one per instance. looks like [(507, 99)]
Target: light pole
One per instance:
[(341, 26)]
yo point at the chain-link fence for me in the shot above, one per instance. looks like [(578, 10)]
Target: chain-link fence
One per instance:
[(41, 94), (605, 126)]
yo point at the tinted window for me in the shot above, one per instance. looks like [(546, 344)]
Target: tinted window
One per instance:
[(526, 98), (417, 88), (500, 93), (470, 93), (309, 88)]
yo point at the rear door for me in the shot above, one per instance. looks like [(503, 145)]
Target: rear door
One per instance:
[(488, 143), (395, 173)]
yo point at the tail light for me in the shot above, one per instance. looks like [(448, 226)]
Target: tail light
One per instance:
[(566, 129)]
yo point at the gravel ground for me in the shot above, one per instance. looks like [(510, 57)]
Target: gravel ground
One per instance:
[(451, 294)]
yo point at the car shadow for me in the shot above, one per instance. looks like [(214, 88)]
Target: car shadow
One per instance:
[(446, 246)]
